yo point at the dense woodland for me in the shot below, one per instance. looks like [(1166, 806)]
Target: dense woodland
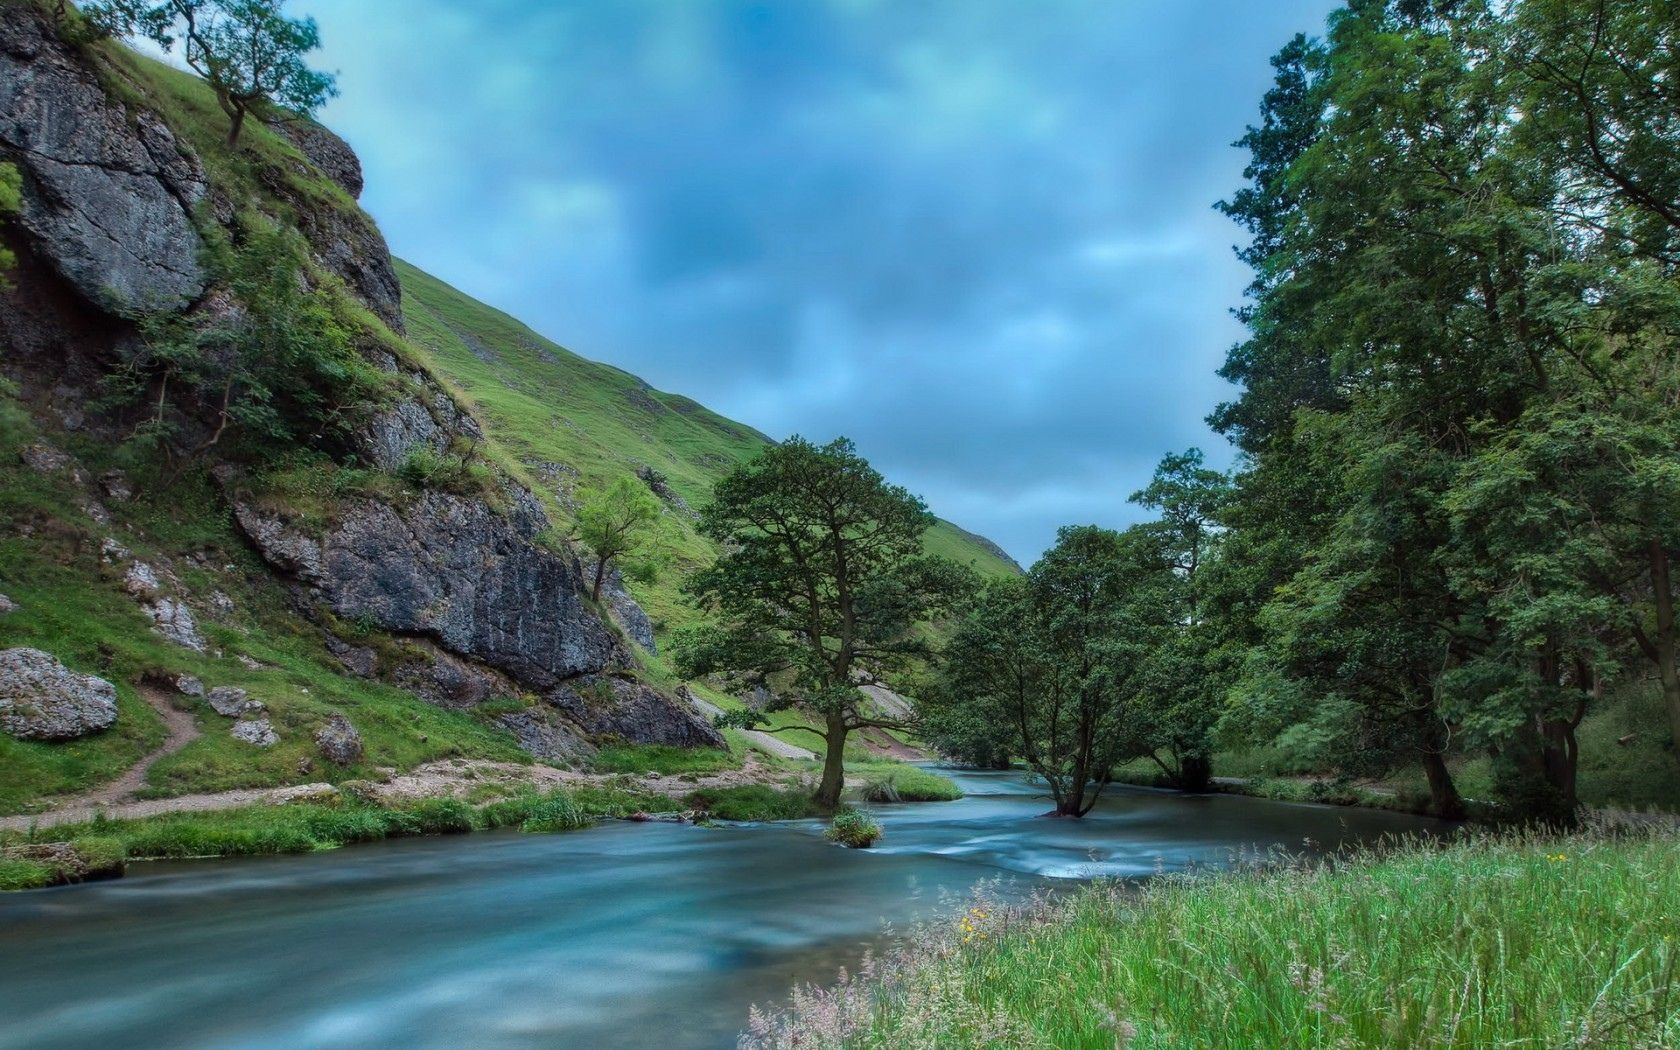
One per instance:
[(1452, 522)]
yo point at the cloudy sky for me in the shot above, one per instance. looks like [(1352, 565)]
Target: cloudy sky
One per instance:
[(976, 236)]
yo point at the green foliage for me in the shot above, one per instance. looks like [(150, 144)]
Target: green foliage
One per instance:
[(853, 829), (1455, 527), (246, 50), (1564, 942), (279, 371), (821, 583), (619, 522), (753, 802), (1056, 668), (11, 198)]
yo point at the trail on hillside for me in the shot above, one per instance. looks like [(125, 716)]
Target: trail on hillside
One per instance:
[(182, 729), (768, 741)]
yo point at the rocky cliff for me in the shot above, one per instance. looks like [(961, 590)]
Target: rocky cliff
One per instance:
[(120, 199)]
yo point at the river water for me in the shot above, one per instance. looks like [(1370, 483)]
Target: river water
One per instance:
[(625, 935)]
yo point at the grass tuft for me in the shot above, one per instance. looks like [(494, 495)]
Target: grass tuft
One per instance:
[(854, 829)]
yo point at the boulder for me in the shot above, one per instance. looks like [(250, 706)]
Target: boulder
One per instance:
[(141, 580), (7, 605), (255, 731), (108, 194), (232, 702), (339, 742), (172, 619), (325, 150), (545, 735), (44, 459), (187, 685), (623, 707), (41, 699), (453, 569), (116, 486)]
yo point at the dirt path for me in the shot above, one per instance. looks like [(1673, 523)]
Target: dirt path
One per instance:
[(455, 778), (182, 729), (768, 741)]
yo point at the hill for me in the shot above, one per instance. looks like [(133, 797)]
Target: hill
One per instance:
[(575, 423)]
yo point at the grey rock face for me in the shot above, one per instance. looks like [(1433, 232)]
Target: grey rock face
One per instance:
[(545, 735), (621, 707), (231, 702), (629, 614), (326, 151), (409, 426), (339, 742), (44, 459), (172, 619), (41, 699), (452, 569), (107, 196), (7, 605), (141, 580), (449, 681), (257, 732), (116, 486)]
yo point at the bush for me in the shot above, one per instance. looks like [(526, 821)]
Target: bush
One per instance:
[(754, 802), (910, 784), (854, 829)]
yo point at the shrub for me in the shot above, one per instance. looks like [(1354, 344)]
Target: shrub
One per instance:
[(854, 829)]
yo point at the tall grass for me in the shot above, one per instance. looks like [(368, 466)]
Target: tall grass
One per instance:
[(1513, 941), (898, 782)]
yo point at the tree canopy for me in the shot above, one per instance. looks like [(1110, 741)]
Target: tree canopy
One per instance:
[(819, 589)]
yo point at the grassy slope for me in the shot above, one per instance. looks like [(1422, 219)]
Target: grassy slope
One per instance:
[(544, 403), (1503, 942)]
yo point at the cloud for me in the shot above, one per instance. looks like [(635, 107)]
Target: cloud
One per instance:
[(974, 235)]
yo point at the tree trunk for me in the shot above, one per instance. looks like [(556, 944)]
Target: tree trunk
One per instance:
[(238, 122), (1195, 773), (1444, 800), (834, 764), (1662, 587), (600, 574)]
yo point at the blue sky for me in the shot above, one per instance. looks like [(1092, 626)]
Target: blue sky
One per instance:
[(976, 237)]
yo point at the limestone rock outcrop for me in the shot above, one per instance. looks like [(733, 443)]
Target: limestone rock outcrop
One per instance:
[(41, 699), (107, 195)]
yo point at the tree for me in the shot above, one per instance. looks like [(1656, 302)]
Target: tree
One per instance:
[(246, 50), (615, 522), (281, 370), (1188, 672), (1055, 666), (819, 589)]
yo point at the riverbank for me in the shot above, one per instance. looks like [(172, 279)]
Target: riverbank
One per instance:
[(1509, 940), (456, 796)]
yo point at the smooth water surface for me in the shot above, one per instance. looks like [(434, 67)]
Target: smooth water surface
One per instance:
[(626, 935)]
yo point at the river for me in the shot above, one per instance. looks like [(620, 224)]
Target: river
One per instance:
[(625, 935)]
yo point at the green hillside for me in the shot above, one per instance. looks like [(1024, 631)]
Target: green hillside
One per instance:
[(558, 413)]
